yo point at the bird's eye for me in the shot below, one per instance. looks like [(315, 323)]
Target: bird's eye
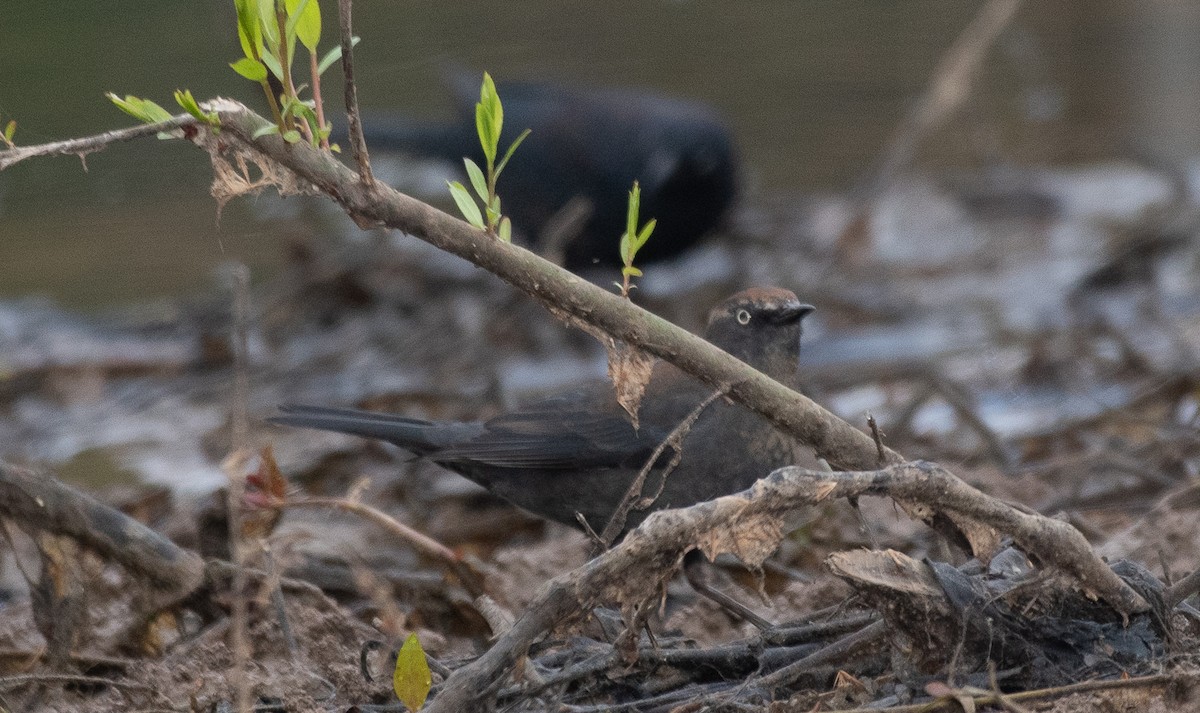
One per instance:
[(743, 317)]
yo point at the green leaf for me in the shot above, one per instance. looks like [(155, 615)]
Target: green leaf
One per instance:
[(491, 101), (631, 217), (251, 69), (264, 130), (631, 271), (141, 109), (487, 91), (508, 154), (333, 55), (248, 32), (306, 114), (184, 98), (10, 130), (506, 230), (304, 16), (466, 205), (488, 138), (646, 230), (272, 63), (412, 679), (477, 179), (626, 249), (291, 136), (265, 12), (489, 119)]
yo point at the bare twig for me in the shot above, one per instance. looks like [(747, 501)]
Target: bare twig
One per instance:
[(83, 146), (235, 493), (70, 679), (1161, 680), (1182, 589), (470, 578), (616, 521), (960, 401), (836, 653), (358, 144), (878, 438), (951, 84)]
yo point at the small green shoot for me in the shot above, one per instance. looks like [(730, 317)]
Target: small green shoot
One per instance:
[(184, 98), (10, 130), (143, 110), (633, 240), (412, 680), (150, 112), (268, 31), (489, 120)]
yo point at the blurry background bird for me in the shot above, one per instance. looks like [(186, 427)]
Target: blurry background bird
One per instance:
[(566, 187)]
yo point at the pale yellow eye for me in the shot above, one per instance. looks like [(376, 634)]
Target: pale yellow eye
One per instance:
[(743, 317)]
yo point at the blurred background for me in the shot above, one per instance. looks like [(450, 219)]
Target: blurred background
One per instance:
[(811, 90)]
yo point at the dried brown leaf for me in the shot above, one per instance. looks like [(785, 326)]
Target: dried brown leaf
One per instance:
[(629, 369)]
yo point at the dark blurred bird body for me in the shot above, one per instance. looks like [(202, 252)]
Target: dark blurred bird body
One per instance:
[(577, 452), (590, 144)]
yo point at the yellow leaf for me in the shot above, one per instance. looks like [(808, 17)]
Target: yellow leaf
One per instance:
[(412, 679)]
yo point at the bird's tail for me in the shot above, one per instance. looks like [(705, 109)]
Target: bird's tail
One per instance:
[(411, 434)]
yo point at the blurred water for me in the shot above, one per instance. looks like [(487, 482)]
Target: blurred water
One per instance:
[(811, 89)]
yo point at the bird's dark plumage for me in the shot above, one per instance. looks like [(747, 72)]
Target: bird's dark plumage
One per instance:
[(577, 451), (591, 144)]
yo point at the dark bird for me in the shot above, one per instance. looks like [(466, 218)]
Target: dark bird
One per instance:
[(576, 452), (588, 144)]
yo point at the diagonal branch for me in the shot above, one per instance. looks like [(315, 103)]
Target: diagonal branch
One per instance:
[(566, 295)]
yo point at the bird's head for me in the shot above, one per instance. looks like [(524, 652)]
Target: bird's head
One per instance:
[(762, 327)]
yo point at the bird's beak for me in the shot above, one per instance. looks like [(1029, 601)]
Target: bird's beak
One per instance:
[(795, 313)]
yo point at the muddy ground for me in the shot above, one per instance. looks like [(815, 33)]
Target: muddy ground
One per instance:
[(1034, 332)]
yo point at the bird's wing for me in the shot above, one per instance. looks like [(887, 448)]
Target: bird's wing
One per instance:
[(570, 431)]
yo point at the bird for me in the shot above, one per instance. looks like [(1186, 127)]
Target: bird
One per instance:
[(574, 454), (586, 147)]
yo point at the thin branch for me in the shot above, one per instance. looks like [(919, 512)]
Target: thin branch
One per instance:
[(838, 652), (1182, 589), (358, 144), (234, 495), (471, 579), (90, 144), (951, 85), (1165, 681), (616, 522)]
